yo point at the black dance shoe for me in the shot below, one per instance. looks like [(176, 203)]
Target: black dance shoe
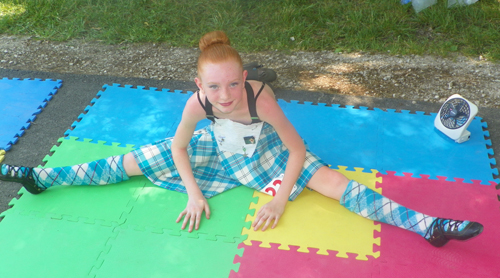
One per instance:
[(22, 175), (442, 230), (258, 72)]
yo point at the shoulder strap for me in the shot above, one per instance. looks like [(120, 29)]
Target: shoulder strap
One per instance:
[(252, 100), (207, 107), (260, 90)]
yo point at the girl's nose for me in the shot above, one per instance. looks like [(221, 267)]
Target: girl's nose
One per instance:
[(224, 94)]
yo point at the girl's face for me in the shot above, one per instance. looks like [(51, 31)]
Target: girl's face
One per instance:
[(223, 85)]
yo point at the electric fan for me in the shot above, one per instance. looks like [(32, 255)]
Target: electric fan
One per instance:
[(454, 117)]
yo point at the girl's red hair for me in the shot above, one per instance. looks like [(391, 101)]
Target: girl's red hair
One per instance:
[(215, 48)]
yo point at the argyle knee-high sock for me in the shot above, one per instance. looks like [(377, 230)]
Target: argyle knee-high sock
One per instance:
[(367, 203), (104, 171)]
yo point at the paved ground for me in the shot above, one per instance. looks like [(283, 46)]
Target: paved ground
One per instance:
[(78, 90)]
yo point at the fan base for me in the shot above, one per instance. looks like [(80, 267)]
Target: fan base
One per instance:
[(465, 137)]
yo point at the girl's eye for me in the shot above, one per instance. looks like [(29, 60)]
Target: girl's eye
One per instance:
[(234, 84), (213, 87)]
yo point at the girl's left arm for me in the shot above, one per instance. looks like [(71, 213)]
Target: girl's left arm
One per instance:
[(270, 112)]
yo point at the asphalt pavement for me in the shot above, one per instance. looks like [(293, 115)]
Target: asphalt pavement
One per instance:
[(77, 91)]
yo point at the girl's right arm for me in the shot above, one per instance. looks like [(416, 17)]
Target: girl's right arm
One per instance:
[(197, 203)]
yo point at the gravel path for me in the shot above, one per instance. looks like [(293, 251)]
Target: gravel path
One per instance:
[(419, 78)]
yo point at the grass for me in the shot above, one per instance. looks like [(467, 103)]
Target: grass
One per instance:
[(354, 25)]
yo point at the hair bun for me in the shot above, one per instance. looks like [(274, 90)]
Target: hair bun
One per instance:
[(215, 37)]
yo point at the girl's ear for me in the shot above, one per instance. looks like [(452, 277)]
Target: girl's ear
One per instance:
[(245, 74), (197, 80)]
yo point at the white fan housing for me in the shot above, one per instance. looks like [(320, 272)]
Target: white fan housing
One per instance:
[(454, 118)]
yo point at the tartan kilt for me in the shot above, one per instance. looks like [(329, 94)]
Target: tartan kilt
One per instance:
[(217, 171)]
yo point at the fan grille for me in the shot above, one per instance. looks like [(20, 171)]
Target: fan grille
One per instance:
[(455, 113)]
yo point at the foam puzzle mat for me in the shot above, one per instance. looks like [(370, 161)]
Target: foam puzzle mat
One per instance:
[(404, 256), (22, 100), (310, 209), (129, 230), (109, 116)]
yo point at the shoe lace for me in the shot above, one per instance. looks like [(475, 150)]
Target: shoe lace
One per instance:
[(14, 171), (450, 224)]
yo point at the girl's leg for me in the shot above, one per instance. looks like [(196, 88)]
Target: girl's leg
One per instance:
[(367, 203), (110, 170), (130, 165), (329, 182)]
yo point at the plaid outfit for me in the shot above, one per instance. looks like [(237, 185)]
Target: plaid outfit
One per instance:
[(217, 171)]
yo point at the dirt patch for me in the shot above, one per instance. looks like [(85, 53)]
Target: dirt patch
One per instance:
[(411, 77)]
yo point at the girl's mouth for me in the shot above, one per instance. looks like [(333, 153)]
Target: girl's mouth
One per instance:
[(226, 104)]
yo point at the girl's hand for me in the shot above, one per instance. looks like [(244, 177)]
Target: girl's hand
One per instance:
[(192, 214), (268, 213)]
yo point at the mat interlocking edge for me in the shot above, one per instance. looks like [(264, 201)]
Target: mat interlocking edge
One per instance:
[(22, 100), (273, 262)]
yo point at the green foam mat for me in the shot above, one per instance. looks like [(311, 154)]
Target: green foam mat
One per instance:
[(41, 247), (137, 220), (149, 254), (157, 209), (106, 203)]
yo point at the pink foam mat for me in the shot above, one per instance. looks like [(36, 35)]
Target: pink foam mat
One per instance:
[(272, 262), (405, 254)]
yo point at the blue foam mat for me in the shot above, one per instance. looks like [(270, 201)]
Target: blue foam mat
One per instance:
[(21, 101), (137, 115), (370, 139), (390, 141)]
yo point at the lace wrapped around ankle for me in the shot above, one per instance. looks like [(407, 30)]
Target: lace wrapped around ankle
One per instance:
[(22, 175)]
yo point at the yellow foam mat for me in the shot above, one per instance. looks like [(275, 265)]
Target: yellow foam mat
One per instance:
[(315, 221)]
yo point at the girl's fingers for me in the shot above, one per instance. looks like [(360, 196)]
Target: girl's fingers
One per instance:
[(275, 222), (265, 220), (269, 220), (259, 221), (184, 223), (191, 224), (198, 219), (193, 217), (207, 211), (180, 216)]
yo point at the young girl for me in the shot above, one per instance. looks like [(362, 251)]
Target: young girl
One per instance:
[(250, 142)]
